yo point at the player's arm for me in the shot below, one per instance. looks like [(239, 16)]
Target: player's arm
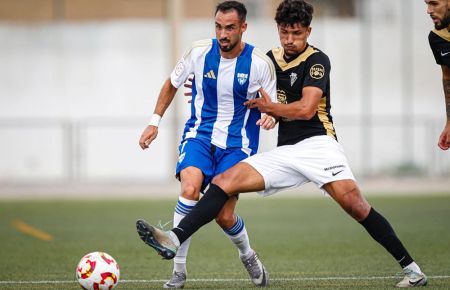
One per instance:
[(178, 76), (312, 92), (304, 109), (268, 81), (444, 139), (166, 96)]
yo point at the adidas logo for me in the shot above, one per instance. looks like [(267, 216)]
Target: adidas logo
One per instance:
[(210, 75)]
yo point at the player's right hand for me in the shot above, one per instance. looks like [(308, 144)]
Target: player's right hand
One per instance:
[(148, 136), (444, 139)]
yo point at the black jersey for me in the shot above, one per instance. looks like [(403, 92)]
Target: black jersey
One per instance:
[(310, 68), (440, 45)]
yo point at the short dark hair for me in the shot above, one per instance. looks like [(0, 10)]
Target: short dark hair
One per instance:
[(291, 12), (233, 5)]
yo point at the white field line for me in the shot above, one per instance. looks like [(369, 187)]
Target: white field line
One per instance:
[(227, 280)]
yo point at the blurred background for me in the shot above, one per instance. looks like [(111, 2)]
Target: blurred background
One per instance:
[(79, 80)]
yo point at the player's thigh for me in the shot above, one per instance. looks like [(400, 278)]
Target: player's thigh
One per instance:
[(197, 154), (240, 178), (277, 168)]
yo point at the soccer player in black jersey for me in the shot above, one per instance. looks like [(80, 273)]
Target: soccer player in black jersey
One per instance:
[(307, 150), (439, 39)]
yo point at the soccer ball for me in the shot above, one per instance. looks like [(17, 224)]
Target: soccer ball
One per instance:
[(98, 271)]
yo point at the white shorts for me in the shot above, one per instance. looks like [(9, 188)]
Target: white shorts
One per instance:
[(319, 159)]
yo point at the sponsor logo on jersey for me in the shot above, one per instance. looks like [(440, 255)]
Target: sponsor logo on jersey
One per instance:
[(281, 97), (210, 75), (317, 71), (242, 78), (293, 76)]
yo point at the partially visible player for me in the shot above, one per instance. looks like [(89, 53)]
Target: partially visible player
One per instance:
[(221, 130), (307, 150), (439, 39)]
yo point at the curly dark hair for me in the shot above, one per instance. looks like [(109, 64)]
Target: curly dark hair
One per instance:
[(290, 12), (233, 5)]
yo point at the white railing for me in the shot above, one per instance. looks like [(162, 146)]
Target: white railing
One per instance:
[(38, 150)]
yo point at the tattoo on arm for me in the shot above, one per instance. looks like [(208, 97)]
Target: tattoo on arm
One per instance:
[(447, 97)]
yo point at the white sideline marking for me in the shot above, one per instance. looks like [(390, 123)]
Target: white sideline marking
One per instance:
[(226, 280)]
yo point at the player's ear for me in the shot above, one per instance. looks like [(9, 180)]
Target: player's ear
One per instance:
[(244, 26), (308, 31)]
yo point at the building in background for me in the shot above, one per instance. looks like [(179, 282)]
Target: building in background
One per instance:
[(79, 79)]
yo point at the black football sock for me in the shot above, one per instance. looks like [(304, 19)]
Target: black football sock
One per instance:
[(202, 213), (382, 232)]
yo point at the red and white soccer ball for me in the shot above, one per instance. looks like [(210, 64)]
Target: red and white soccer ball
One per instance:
[(98, 271)]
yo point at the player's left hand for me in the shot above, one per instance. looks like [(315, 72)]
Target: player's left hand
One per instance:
[(266, 122), (264, 103), (444, 139)]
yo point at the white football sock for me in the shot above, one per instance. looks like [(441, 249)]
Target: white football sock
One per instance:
[(413, 266), (182, 208), (239, 237)]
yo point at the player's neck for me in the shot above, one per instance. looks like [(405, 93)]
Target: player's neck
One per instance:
[(235, 52)]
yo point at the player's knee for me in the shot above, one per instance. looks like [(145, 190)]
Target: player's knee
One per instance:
[(190, 192), (225, 220), (224, 181), (356, 205), (219, 180)]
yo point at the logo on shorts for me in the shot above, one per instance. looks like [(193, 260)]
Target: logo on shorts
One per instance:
[(181, 157), (317, 71), (336, 173), (334, 167), (242, 78)]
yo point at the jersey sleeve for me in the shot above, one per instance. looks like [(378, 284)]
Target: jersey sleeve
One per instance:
[(183, 68), (268, 77), (433, 40), (317, 71)]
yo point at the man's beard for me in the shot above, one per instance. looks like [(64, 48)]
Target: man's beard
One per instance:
[(445, 21), (227, 48)]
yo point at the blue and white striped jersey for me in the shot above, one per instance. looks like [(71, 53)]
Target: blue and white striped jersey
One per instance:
[(220, 88)]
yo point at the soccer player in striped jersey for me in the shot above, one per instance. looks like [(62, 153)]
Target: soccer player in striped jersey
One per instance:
[(307, 150), (439, 39), (221, 130)]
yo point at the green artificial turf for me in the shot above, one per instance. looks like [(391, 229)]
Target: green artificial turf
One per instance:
[(307, 243)]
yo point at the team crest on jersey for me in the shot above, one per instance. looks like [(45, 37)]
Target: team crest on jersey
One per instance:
[(242, 78), (317, 71), (293, 76)]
